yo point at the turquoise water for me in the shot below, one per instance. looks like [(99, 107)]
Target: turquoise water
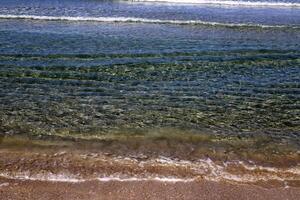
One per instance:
[(93, 68)]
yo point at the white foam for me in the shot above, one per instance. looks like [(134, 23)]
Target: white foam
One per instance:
[(201, 169), (134, 179), (42, 177), (209, 170), (4, 184), (228, 3), (70, 179), (138, 20)]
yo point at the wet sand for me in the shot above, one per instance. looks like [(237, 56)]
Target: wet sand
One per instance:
[(53, 172), (139, 190)]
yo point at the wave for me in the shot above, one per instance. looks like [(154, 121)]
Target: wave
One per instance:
[(42, 177), (134, 179), (139, 20), (228, 3), (69, 179), (230, 171)]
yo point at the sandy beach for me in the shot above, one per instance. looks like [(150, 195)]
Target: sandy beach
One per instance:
[(138, 190), (60, 173)]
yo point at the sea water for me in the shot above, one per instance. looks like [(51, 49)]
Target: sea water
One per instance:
[(109, 69)]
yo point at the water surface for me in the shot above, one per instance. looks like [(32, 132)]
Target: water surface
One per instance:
[(95, 68)]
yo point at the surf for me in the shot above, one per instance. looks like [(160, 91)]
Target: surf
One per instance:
[(141, 20), (230, 171), (228, 3)]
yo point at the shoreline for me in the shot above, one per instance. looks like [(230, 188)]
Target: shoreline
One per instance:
[(63, 162), (63, 170)]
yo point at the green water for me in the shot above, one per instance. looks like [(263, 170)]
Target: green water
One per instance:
[(114, 80)]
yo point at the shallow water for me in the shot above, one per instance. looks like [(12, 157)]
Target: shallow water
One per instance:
[(107, 70)]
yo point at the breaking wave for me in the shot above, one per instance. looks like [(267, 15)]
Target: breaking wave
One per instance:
[(139, 20), (229, 3)]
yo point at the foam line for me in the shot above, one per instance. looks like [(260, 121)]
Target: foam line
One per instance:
[(68, 179), (42, 177), (137, 20), (228, 3), (159, 179)]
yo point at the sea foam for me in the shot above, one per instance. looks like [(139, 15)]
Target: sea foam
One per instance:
[(139, 20), (228, 3), (205, 169)]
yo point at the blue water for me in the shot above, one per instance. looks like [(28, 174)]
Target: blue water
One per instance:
[(86, 8), (124, 65)]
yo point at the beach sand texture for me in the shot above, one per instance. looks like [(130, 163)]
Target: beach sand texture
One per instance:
[(139, 190)]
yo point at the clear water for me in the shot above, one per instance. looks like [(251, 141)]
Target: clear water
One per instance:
[(65, 76)]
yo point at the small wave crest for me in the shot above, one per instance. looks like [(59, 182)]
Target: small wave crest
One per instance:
[(229, 3), (231, 171), (139, 20), (70, 179)]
